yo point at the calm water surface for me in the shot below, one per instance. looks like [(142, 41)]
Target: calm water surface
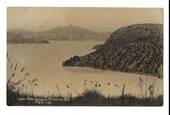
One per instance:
[(44, 62)]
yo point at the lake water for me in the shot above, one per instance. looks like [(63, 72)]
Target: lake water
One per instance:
[(44, 62)]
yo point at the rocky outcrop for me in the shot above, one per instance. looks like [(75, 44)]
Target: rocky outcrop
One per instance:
[(135, 48)]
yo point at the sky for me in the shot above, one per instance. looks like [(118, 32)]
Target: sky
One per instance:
[(95, 19)]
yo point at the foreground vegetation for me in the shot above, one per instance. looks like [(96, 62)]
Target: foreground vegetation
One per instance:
[(92, 98), (21, 88)]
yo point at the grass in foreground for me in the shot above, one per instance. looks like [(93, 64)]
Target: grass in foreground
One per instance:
[(92, 98), (20, 91)]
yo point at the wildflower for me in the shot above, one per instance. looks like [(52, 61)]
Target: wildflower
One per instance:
[(13, 74), (34, 80), (84, 83), (96, 84), (108, 83), (67, 86)]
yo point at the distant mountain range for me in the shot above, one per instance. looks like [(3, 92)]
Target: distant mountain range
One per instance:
[(135, 48), (24, 36), (69, 32)]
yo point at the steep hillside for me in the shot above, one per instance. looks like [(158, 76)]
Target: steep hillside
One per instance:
[(135, 48)]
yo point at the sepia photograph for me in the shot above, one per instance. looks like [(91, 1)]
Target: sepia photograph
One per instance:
[(84, 56)]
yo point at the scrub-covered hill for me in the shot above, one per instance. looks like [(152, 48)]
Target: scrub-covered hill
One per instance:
[(136, 48)]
